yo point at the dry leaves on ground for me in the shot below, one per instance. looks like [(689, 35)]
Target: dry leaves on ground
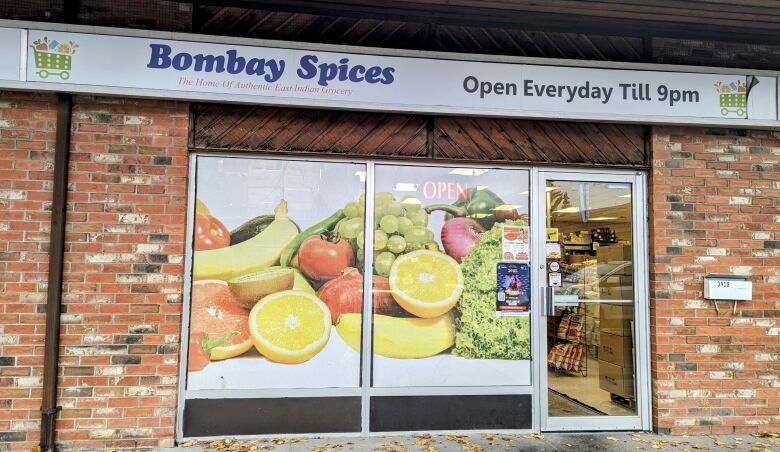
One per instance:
[(327, 447)]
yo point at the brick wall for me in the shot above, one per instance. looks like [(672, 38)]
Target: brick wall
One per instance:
[(27, 128), (715, 208), (123, 273), (123, 269)]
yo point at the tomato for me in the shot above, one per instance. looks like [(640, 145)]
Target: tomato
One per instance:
[(210, 233), (198, 358), (323, 260)]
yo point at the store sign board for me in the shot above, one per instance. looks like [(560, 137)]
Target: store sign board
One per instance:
[(10, 53), (306, 77)]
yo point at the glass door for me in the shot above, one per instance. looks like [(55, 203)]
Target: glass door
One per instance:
[(592, 316)]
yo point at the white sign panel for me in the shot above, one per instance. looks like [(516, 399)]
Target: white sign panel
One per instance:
[(273, 75), (727, 289), (10, 53)]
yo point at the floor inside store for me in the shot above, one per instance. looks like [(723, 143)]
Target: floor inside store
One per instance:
[(579, 395)]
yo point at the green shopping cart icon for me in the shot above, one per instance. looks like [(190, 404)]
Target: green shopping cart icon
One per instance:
[(733, 103), (52, 63)]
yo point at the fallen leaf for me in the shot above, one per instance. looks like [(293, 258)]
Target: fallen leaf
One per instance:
[(326, 447), (766, 435), (612, 438), (534, 436), (700, 447)]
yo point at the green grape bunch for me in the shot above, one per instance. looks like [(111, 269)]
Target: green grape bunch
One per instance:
[(401, 226)]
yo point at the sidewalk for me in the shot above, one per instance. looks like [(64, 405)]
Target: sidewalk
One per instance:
[(601, 442)]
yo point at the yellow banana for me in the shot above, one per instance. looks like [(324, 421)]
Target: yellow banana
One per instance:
[(259, 252), (400, 337)]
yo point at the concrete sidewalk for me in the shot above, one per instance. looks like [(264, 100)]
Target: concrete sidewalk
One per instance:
[(601, 442)]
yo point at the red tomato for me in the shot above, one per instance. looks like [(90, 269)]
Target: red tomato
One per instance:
[(322, 260), (210, 233)]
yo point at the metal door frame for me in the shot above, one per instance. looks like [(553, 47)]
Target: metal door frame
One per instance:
[(640, 238)]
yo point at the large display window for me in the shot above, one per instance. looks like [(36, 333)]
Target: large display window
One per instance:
[(277, 294), (438, 234), (265, 251)]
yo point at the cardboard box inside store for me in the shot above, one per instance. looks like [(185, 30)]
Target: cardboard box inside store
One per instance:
[(616, 379), (613, 253), (610, 292), (616, 318), (616, 349), (578, 258)]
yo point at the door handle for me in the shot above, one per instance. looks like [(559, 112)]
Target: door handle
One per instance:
[(547, 296)]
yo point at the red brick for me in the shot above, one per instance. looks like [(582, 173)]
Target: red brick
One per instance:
[(719, 223)]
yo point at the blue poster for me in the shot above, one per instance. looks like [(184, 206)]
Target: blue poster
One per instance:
[(513, 288)]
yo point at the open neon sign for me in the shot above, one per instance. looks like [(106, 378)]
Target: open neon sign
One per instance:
[(450, 191)]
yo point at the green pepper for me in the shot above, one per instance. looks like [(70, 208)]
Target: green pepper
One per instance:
[(477, 203)]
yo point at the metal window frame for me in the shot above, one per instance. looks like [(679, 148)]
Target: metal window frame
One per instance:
[(365, 390)]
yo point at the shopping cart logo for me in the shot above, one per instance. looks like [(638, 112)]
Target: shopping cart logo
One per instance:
[(53, 57), (733, 98)]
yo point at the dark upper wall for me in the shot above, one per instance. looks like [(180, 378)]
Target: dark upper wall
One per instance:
[(529, 33)]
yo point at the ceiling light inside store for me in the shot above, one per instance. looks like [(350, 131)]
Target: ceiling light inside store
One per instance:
[(625, 196), (567, 210), (469, 171), (617, 186), (547, 189), (404, 186), (602, 218)]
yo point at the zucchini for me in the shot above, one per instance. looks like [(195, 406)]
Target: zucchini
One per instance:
[(325, 225)]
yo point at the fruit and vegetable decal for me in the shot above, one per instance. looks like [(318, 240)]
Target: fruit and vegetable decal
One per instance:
[(275, 291)]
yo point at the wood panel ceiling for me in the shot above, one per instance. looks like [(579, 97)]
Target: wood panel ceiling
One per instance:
[(686, 19), (450, 138)]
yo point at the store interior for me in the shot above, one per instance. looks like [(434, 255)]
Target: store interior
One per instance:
[(590, 340)]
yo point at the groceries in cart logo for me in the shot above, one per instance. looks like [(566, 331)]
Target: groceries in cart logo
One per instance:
[(733, 98), (53, 58)]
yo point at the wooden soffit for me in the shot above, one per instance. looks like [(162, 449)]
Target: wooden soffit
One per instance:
[(219, 127)]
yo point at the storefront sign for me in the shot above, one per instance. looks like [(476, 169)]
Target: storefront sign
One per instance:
[(11, 50), (268, 75)]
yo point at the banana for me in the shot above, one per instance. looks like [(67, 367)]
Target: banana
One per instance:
[(401, 337), (259, 252)]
